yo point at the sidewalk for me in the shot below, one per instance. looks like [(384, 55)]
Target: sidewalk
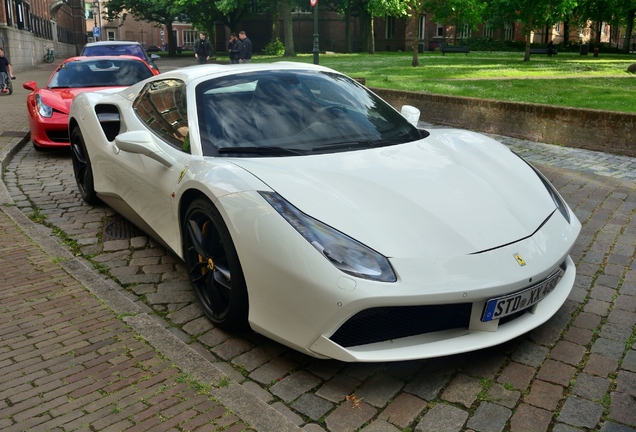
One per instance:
[(75, 354)]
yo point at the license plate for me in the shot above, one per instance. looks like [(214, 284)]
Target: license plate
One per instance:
[(507, 305)]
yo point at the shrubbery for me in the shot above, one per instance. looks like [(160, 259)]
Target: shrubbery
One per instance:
[(481, 44), (275, 48)]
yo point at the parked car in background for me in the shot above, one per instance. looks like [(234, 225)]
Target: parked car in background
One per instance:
[(153, 48), (114, 48), (48, 106), (306, 207)]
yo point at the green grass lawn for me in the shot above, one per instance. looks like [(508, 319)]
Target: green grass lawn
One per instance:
[(567, 79)]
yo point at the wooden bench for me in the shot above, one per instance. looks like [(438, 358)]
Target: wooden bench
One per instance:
[(544, 51), (454, 48)]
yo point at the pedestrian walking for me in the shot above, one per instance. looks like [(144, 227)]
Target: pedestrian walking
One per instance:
[(234, 47), (203, 49), (246, 48), (5, 71), (550, 48)]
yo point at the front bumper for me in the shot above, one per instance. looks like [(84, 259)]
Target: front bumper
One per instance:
[(301, 300)]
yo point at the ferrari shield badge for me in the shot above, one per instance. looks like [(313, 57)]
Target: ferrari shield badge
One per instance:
[(520, 260)]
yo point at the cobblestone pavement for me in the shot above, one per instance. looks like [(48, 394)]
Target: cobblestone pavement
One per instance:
[(576, 372)]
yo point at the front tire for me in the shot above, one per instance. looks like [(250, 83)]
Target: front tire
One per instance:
[(82, 168), (214, 267)]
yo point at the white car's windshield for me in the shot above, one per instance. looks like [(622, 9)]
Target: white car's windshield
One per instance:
[(280, 113)]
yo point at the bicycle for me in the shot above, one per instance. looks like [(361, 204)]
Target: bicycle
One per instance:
[(49, 56), (8, 85)]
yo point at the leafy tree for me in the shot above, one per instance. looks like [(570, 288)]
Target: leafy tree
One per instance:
[(533, 14), (369, 9), (153, 11), (456, 12), (348, 10)]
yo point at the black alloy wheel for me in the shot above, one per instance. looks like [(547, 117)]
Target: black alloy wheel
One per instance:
[(214, 267), (82, 168)]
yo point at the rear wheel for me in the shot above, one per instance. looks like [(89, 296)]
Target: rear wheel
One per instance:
[(82, 167), (214, 267)]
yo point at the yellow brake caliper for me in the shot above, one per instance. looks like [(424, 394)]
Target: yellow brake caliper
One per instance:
[(210, 266)]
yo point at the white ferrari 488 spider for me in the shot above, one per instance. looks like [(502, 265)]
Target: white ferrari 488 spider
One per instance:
[(309, 209)]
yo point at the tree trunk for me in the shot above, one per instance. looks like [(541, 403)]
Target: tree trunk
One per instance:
[(288, 29), (347, 19), (629, 28), (275, 30), (172, 40), (414, 35), (528, 30), (372, 36), (366, 30), (566, 32)]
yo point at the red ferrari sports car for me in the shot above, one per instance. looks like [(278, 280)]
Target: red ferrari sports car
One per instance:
[(49, 106)]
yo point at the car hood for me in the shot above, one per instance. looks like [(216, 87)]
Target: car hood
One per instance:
[(60, 99), (453, 193)]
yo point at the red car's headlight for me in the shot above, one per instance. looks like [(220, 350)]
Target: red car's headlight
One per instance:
[(43, 109)]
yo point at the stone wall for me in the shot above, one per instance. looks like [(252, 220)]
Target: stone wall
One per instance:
[(606, 131), (25, 51)]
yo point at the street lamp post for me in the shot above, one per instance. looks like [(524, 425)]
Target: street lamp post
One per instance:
[(141, 33), (98, 22), (314, 4)]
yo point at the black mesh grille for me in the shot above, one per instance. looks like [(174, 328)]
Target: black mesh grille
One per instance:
[(387, 323), (58, 136)]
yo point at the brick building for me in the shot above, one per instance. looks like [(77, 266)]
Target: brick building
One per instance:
[(27, 28)]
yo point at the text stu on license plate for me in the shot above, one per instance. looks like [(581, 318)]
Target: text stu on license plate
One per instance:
[(507, 305)]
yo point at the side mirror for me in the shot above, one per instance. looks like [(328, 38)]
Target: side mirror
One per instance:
[(155, 56), (141, 142), (411, 113), (30, 85)]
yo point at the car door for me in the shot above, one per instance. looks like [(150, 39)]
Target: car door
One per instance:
[(146, 183)]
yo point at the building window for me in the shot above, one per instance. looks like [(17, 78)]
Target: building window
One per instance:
[(440, 30), (465, 32), (390, 28), (557, 27), (189, 37), (19, 14), (488, 31), (508, 31), (7, 7), (421, 27), (110, 34)]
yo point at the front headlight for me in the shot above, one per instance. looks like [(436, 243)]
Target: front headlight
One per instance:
[(43, 109), (347, 254)]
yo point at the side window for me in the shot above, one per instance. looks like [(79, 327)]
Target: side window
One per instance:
[(162, 107)]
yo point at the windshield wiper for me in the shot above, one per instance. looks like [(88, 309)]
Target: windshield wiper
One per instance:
[(352, 145), (266, 151)]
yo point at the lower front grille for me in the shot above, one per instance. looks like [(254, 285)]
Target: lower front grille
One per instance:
[(387, 323), (58, 136)]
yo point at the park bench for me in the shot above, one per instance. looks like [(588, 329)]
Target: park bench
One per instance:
[(543, 51), (454, 48)]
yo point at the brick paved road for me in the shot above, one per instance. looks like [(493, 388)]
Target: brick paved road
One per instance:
[(577, 372), (69, 363)]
